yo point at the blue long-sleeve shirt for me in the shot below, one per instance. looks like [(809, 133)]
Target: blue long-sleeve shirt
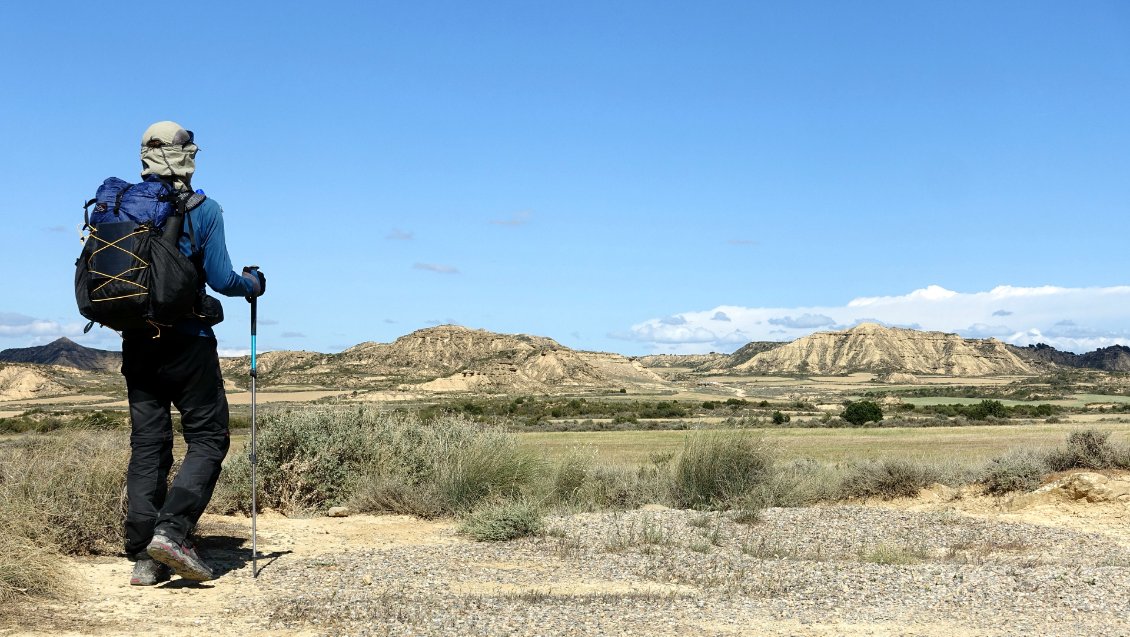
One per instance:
[(207, 221), (208, 224)]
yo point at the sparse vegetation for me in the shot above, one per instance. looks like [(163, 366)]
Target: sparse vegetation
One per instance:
[(61, 492), (502, 520), (892, 554), (42, 421)]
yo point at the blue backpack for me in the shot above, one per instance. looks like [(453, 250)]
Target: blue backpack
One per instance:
[(131, 273)]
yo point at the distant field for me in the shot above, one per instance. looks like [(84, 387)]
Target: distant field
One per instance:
[(1076, 400), (833, 445)]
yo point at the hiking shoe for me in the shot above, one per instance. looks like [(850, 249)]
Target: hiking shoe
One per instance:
[(179, 556), (148, 572)]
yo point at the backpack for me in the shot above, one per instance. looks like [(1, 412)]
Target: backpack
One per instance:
[(131, 273)]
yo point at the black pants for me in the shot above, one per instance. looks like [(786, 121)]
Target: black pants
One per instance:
[(172, 370)]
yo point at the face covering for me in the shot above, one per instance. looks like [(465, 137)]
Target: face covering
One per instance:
[(168, 151)]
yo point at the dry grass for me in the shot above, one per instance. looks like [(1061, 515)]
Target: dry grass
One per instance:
[(378, 461), (65, 491), (27, 570), (58, 494)]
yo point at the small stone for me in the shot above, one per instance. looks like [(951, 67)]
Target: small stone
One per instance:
[(338, 512)]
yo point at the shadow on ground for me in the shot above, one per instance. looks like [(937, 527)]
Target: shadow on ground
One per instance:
[(227, 553)]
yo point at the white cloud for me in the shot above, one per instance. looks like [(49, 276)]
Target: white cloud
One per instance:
[(20, 330), (520, 218), (1073, 319), (233, 352), (14, 325), (436, 267)]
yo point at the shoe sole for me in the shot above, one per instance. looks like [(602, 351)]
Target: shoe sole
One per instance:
[(169, 556)]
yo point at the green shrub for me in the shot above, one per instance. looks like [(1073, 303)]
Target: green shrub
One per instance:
[(780, 418), (488, 462), (1017, 470), (888, 478), (501, 520), (986, 409), (863, 411), (717, 469)]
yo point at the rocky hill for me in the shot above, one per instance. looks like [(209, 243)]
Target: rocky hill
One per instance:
[(67, 353), (450, 358), (1115, 358), (870, 347), (742, 355), (688, 361)]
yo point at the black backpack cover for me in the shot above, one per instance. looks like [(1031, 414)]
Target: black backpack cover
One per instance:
[(131, 273)]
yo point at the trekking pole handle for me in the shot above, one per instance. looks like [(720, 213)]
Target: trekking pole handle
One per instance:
[(254, 300)]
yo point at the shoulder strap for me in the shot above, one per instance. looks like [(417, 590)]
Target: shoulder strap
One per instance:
[(186, 203)]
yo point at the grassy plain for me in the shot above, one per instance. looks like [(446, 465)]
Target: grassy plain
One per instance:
[(968, 443)]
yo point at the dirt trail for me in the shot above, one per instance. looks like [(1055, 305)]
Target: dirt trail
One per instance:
[(105, 604)]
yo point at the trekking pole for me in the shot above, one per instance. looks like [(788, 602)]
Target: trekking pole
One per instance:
[(254, 450)]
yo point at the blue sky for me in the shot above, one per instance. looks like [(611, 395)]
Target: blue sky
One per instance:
[(618, 176)]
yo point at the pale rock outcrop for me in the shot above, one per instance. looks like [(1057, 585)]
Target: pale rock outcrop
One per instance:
[(869, 347), (898, 378), (1076, 487), (18, 382)]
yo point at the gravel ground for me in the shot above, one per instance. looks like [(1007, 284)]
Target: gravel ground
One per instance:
[(805, 571)]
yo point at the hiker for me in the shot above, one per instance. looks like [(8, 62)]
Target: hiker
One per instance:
[(178, 365)]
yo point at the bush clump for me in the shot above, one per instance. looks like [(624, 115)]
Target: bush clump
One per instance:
[(861, 412), (888, 478), (1017, 470), (721, 469), (378, 461), (1088, 449), (501, 520)]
